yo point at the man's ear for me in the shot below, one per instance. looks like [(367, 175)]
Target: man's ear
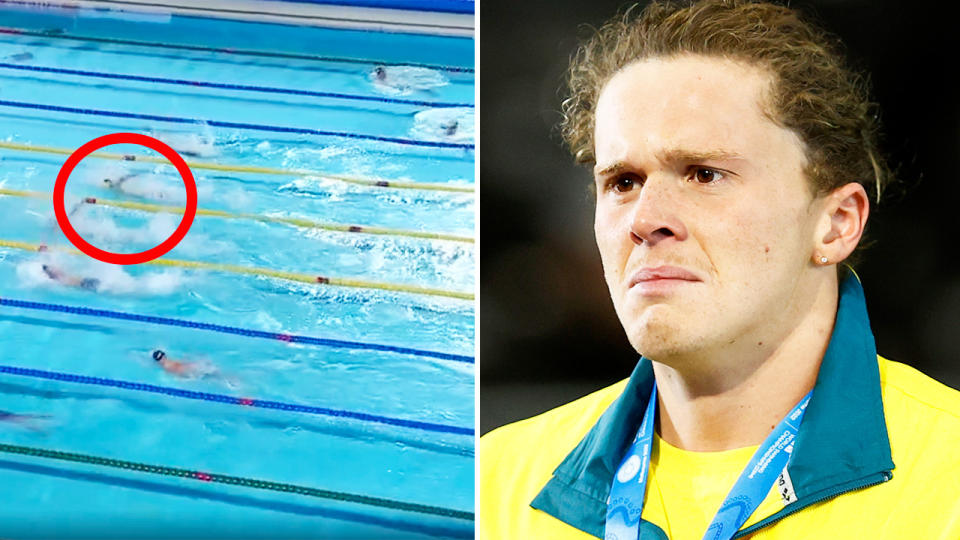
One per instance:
[(845, 212)]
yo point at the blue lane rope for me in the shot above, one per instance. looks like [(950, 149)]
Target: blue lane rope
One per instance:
[(290, 338), (225, 86), (53, 34), (233, 400), (235, 125), (442, 6), (239, 500)]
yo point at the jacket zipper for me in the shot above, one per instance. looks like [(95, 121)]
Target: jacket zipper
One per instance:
[(885, 476)]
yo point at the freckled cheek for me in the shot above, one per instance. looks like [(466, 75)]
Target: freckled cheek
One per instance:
[(744, 242), (613, 244)]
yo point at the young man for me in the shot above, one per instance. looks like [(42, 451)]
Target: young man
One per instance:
[(190, 370), (60, 276), (26, 421), (735, 159), (117, 184)]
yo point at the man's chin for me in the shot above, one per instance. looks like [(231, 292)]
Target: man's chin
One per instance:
[(658, 332)]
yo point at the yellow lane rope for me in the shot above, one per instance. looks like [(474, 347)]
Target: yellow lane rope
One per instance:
[(290, 276), (299, 222), (374, 182)]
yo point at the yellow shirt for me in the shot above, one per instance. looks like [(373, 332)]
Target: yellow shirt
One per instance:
[(685, 489)]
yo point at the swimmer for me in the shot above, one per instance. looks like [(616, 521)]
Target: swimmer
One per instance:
[(450, 127), (76, 208), (24, 420), (20, 57), (181, 369), (403, 80), (187, 370), (192, 153), (118, 183), (58, 275), (190, 144)]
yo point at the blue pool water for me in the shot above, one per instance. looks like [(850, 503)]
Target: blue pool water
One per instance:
[(403, 360)]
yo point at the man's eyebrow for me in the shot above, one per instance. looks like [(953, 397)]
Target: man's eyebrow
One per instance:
[(697, 155), (610, 169), (680, 155)]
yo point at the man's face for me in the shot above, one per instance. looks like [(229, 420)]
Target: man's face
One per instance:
[(704, 218)]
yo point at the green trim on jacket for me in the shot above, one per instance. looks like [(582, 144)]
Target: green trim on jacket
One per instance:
[(842, 444)]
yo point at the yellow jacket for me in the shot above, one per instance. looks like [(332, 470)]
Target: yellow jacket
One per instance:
[(877, 455)]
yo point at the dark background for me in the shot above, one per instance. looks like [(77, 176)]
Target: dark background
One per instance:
[(548, 330)]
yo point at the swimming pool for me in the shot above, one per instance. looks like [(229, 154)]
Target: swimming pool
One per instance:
[(327, 280)]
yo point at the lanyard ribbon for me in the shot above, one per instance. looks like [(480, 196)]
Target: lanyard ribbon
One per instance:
[(627, 492)]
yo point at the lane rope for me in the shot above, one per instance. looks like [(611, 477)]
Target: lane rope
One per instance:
[(229, 50), (298, 222), (236, 481), (233, 125), (233, 400), (253, 271), (225, 86), (232, 330), (370, 182)]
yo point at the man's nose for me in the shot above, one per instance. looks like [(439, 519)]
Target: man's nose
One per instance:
[(655, 216)]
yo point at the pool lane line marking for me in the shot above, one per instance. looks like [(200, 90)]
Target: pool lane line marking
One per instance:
[(253, 271), (359, 180), (232, 330), (235, 125), (230, 50), (236, 481), (233, 400), (298, 222), (230, 62), (227, 86), (414, 525)]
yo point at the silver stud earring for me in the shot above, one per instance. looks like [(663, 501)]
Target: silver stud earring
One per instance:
[(823, 260)]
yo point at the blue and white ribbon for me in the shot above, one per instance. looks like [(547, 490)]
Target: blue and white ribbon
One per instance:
[(625, 504)]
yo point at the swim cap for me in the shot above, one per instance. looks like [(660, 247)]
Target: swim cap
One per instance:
[(158, 355)]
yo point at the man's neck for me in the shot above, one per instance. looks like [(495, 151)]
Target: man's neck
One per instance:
[(735, 398)]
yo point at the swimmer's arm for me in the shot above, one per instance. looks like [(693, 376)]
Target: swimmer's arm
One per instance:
[(124, 178), (76, 208), (63, 277)]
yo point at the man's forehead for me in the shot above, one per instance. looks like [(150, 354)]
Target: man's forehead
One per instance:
[(685, 108), (691, 75)]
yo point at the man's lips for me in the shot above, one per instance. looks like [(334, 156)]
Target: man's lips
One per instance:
[(647, 274)]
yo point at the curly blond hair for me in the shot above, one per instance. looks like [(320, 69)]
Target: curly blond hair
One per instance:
[(814, 93)]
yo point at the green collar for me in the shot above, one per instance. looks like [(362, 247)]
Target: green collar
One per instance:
[(842, 441)]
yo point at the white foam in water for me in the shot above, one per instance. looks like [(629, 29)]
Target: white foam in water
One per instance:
[(266, 322), (145, 185), (264, 148), (161, 185), (102, 231), (191, 144), (234, 198), (436, 124), (113, 279), (404, 80), (333, 189)]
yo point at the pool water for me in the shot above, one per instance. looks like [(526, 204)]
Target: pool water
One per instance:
[(384, 413)]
